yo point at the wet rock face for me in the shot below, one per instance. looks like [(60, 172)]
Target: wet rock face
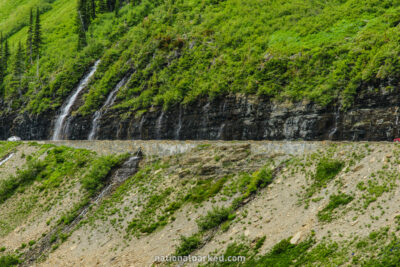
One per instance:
[(374, 116), (231, 118), (27, 127)]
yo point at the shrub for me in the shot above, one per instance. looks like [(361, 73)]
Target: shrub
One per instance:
[(214, 218), (23, 177), (205, 189), (9, 260), (188, 245), (327, 169), (335, 201), (283, 254), (101, 167), (259, 179), (260, 242)]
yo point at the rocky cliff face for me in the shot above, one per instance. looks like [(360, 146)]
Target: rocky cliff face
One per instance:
[(28, 127), (374, 116)]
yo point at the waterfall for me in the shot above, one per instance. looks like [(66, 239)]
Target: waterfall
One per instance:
[(397, 121), (334, 130), (159, 125), (354, 137), (221, 131), (178, 130), (109, 102), (141, 127), (204, 121), (6, 159), (59, 126)]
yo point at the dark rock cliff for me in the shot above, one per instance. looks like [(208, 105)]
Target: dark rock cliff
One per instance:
[(374, 116)]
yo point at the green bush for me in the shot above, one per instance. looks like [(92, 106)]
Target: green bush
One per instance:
[(205, 189), (9, 260), (282, 254), (188, 245), (335, 201), (23, 177), (259, 179), (327, 169), (97, 174), (51, 171), (214, 218), (260, 242)]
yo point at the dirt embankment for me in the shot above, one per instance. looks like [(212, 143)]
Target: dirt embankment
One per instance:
[(214, 195)]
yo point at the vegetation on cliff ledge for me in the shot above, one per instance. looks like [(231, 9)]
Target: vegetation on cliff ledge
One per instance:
[(179, 51)]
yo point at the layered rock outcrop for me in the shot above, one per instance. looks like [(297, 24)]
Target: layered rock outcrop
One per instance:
[(374, 116)]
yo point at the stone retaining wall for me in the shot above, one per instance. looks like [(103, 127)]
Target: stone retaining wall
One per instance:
[(167, 148)]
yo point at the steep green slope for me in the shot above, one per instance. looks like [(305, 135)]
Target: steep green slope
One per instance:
[(182, 50)]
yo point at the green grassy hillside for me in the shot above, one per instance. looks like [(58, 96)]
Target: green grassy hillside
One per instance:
[(182, 50)]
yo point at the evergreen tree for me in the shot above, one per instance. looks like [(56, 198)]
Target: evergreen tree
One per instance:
[(2, 60), (110, 5), (29, 40), (18, 64), (18, 69), (37, 36), (84, 14), (117, 7), (93, 9), (6, 55), (81, 38), (81, 19), (102, 6)]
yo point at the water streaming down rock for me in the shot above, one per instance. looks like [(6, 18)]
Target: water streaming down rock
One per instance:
[(221, 131), (59, 127), (179, 128), (334, 130), (397, 121), (142, 120), (109, 102), (354, 138), (7, 158), (159, 125), (372, 118)]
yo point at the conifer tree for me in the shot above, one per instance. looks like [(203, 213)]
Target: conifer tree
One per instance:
[(81, 20), (18, 68), (93, 9), (81, 38), (37, 36), (117, 7), (29, 40), (110, 5), (6, 55), (102, 6), (84, 14), (2, 68)]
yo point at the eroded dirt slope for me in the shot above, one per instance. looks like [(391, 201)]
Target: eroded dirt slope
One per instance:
[(334, 206)]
